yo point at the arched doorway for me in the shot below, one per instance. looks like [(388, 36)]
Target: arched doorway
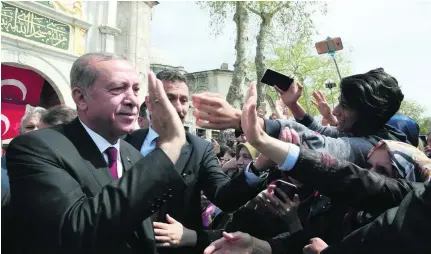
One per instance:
[(21, 86)]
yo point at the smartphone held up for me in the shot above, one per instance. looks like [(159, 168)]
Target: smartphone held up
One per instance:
[(329, 45), (273, 78)]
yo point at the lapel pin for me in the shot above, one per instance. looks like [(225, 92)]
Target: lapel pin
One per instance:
[(128, 159)]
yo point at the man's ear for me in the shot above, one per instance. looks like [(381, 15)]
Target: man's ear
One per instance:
[(80, 98)]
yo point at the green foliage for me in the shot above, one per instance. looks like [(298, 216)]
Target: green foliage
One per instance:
[(219, 11), (416, 111), (311, 70)]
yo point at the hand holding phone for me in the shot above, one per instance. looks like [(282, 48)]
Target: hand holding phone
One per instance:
[(288, 188), (273, 78)]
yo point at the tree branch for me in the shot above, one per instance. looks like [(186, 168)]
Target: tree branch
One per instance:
[(279, 7), (253, 10)]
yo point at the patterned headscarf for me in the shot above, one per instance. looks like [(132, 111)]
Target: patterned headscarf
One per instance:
[(410, 163)]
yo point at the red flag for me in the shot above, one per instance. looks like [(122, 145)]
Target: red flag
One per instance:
[(11, 115), (20, 85)]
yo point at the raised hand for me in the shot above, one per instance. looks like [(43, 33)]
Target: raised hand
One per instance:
[(321, 104), (164, 119), (292, 95), (213, 112), (249, 119)]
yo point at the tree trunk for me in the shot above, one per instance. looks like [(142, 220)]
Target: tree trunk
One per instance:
[(235, 95), (271, 103), (259, 60)]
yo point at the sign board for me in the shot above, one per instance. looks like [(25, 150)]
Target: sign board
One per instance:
[(28, 25)]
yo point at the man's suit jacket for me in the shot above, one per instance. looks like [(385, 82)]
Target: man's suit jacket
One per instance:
[(66, 201), (200, 169)]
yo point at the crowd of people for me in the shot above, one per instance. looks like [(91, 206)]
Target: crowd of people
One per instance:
[(85, 181)]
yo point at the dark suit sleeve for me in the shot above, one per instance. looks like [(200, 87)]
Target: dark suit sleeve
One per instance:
[(60, 218), (348, 183), (403, 229), (226, 193)]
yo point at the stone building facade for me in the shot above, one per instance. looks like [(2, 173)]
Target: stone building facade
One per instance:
[(44, 38)]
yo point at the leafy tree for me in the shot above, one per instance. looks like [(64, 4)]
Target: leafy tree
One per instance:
[(310, 69), (219, 12), (278, 19), (416, 111)]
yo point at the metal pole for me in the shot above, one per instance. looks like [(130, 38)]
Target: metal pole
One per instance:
[(332, 99), (336, 65)]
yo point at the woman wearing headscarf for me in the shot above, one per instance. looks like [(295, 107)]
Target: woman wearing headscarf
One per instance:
[(407, 126), (244, 154)]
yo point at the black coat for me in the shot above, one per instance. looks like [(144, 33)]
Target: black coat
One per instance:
[(200, 169), (404, 228), (66, 201)]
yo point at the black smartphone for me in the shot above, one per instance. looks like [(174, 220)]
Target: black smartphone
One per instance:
[(288, 188), (273, 78)]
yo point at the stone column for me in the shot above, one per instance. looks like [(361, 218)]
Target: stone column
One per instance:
[(134, 20)]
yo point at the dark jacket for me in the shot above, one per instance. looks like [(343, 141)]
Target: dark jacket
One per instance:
[(353, 149), (200, 169), (387, 132), (66, 201), (318, 215), (345, 182)]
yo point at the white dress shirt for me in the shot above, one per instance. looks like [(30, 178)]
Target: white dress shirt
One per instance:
[(103, 144)]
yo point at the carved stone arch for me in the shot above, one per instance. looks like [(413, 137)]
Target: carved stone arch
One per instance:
[(39, 64)]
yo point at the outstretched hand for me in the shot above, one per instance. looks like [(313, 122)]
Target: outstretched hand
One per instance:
[(249, 119), (213, 112), (321, 104), (237, 242)]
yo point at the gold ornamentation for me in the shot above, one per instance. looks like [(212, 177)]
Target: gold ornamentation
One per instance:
[(75, 10), (79, 45)]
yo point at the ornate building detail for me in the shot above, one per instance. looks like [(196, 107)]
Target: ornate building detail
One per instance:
[(29, 25), (74, 8)]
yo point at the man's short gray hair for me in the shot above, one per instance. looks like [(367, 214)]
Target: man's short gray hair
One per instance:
[(32, 111), (83, 74)]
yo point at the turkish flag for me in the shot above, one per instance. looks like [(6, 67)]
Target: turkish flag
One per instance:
[(20, 85), (11, 115)]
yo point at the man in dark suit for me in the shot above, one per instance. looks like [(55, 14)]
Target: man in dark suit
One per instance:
[(78, 188), (200, 170)]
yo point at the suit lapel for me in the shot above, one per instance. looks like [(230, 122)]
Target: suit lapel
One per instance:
[(137, 138), (89, 152), (125, 156), (184, 158)]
